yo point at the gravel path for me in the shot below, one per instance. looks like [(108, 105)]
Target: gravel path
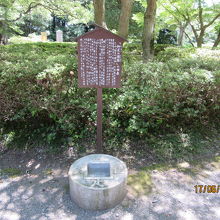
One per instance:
[(42, 193)]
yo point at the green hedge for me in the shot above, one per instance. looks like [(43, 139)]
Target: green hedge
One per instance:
[(39, 93)]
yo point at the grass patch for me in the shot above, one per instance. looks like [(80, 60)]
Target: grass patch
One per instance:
[(189, 171), (216, 162), (140, 183), (11, 172), (159, 167), (66, 188), (48, 172)]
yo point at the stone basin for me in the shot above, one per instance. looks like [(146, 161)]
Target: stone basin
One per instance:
[(98, 181)]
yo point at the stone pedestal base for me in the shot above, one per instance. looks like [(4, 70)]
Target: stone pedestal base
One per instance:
[(97, 194)]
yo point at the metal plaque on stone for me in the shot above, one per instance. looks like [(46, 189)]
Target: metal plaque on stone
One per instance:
[(98, 170)]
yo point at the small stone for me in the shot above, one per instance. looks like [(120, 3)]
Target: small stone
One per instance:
[(154, 200), (126, 203), (184, 165), (117, 215)]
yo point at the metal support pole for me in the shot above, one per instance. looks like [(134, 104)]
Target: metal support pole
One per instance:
[(99, 120)]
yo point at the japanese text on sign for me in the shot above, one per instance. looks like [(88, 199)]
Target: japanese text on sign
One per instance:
[(100, 62)]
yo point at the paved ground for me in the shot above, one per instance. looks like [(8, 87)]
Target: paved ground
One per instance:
[(41, 193)]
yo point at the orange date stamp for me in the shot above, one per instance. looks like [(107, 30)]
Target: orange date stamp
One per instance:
[(207, 188)]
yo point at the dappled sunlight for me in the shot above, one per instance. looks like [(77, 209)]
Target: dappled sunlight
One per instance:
[(139, 184), (4, 198), (206, 52), (37, 166), (30, 163), (157, 64), (216, 210), (163, 206), (187, 215), (29, 191), (127, 216), (9, 215), (185, 138), (158, 191), (157, 194)]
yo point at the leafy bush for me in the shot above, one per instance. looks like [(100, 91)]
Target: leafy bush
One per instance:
[(38, 89), (161, 47), (158, 95), (39, 95), (167, 36), (22, 40), (174, 52)]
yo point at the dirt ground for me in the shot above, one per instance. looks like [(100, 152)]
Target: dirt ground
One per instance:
[(34, 186)]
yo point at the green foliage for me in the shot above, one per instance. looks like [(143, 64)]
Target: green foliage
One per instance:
[(38, 90), (140, 183), (22, 40), (11, 172), (112, 14), (39, 95), (170, 52), (161, 47), (35, 22), (22, 17), (159, 95)]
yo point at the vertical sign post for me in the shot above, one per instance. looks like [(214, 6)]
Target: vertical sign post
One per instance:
[(99, 66), (99, 120)]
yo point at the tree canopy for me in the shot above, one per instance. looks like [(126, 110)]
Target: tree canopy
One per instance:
[(192, 22)]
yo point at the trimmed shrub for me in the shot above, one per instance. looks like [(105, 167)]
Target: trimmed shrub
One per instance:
[(169, 53), (39, 94)]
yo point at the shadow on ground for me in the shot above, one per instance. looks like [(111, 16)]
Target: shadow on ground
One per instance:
[(41, 191)]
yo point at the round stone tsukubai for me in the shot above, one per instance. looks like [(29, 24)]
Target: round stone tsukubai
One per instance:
[(96, 193)]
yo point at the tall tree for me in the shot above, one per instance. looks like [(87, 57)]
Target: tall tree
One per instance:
[(126, 6), (200, 32), (197, 14), (12, 12), (99, 12), (148, 31), (174, 19), (182, 28)]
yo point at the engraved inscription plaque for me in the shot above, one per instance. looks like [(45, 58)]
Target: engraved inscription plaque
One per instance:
[(99, 59), (98, 170)]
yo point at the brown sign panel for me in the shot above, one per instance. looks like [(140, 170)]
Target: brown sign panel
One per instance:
[(99, 59)]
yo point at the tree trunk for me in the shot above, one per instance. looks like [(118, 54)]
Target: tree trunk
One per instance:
[(180, 36), (199, 40), (126, 6), (3, 39), (217, 41), (190, 41), (99, 12), (148, 32), (182, 29)]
